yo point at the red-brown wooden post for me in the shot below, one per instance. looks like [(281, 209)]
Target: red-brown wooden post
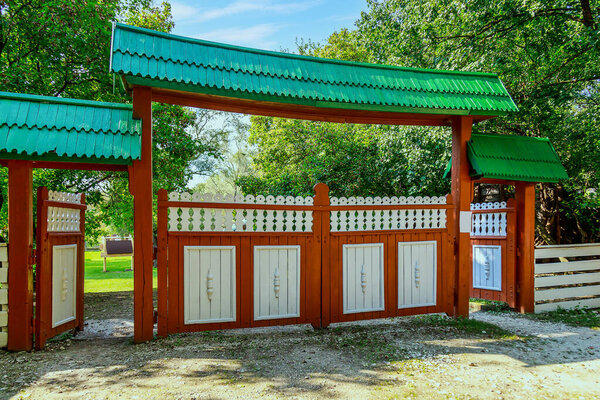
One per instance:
[(43, 292), (81, 266), (323, 219), (448, 262), (461, 194), (143, 309), (511, 262), (315, 267), (525, 199), (20, 242), (161, 263)]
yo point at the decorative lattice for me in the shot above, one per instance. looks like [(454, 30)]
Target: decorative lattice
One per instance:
[(64, 197), (488, 224), (375, 220), (488, 206), (63, 219), (239, 199), (342, 201), (192, 219)]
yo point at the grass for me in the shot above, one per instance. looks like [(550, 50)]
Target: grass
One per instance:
[(118, 278), (574, 317), (470, 326)]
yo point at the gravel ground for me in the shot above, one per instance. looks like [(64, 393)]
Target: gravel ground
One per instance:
[(422, 357)]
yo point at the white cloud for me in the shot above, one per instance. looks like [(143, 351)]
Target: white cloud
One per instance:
[(254, 36), (184, 13)]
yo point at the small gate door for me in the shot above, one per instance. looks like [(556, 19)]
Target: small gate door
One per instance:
[(59, 263)]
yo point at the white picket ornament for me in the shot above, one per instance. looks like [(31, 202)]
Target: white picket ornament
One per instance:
[(488, 224)]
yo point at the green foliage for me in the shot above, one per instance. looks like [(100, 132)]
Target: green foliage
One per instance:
[(546, 53), (574, 317), (354, 160), (60, 48)]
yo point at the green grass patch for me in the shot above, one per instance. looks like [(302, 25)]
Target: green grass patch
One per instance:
[(118, 278), (575, 317), (491, 305), (466, 325)]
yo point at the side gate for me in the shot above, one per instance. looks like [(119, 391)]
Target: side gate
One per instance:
[(493, 251), (59, 263), (258, 261)]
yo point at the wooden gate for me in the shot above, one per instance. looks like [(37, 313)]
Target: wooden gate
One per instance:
[(59, 263), (256, 261), (493, 251)]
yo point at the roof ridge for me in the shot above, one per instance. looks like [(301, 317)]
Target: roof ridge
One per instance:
[(297, 56), (504, 136), (64, 100)]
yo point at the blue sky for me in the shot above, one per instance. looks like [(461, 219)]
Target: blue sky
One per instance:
[(264, 24)]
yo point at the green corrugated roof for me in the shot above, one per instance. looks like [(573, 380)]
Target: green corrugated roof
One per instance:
[(57, 129), (148, 58), (513, 158)]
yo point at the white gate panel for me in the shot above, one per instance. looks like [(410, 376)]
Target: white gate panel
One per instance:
[(487, 267), (417, 274), (64, 283), (363, 277), (276, 282), (209, 281)]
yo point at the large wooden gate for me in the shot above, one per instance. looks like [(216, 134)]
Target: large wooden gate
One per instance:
[(493, 251), (59, 263), (256, 261)]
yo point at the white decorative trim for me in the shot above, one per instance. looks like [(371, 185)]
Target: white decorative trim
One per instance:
[(343, 201), (375, 220), (64, 197), (488, 206), (63, 219), (240, 199), (489, 224)]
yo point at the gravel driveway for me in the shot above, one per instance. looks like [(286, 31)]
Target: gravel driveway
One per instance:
[(423, 357)]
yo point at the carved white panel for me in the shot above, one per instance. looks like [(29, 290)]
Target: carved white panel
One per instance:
[(198, 219), (487, 267), (239, 199), (64, 197), (488, 224), (363, 277), (488, 206), (276, 282), (64, 284), (209, 282), (374, 220), (63, 219), (417, 274)]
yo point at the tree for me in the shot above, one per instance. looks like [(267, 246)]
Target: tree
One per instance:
[(545, 52)]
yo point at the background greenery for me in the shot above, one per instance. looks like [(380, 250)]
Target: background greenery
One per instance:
[(546, 52)]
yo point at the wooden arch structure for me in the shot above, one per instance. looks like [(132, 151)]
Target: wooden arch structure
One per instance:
[(159, 67)]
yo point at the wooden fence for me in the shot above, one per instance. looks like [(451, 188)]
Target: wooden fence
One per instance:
[(3, 294), (567, 276), (256, 261)]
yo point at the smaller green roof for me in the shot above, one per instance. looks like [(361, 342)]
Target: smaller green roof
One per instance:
[(57, 129), (513, 158)]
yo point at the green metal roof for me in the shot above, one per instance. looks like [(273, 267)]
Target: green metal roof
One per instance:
[(149, 58), (56, 129), (513, 158)]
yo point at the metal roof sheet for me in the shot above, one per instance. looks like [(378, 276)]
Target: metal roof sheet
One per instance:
[(513, 158), (149, 58), (42, 127)]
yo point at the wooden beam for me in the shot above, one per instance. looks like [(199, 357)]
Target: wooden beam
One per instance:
[(461, 193), (285, 110), (143, 309), (79, 166), (20, 250), (525, 205)]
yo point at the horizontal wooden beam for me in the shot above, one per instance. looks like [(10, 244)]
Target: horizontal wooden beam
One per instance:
[(74, 165), (285, 110)]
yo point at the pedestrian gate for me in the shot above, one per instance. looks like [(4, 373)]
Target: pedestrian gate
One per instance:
[(59, 263)]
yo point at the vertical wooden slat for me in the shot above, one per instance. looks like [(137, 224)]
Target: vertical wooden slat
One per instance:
[(80, 267), (316, 273), (42, 270), (511, 259), (162, 264)]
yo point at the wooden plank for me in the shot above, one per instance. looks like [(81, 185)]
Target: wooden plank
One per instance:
[(3, 296), (571, 279), (571, 250), (570, 266), (566, 293), (3, 275), (590, 303), (3, 339), (3, 254), (162, 265)]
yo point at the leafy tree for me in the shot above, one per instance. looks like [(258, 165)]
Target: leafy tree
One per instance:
[(545, 52)]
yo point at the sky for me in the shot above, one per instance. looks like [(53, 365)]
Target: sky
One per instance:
[(264, 24)]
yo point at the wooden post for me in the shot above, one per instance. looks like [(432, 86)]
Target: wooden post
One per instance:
[(321, 230), (525, 199), (81, 267), (461, 194), (20, 242), (143, 309), (161, 264)]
